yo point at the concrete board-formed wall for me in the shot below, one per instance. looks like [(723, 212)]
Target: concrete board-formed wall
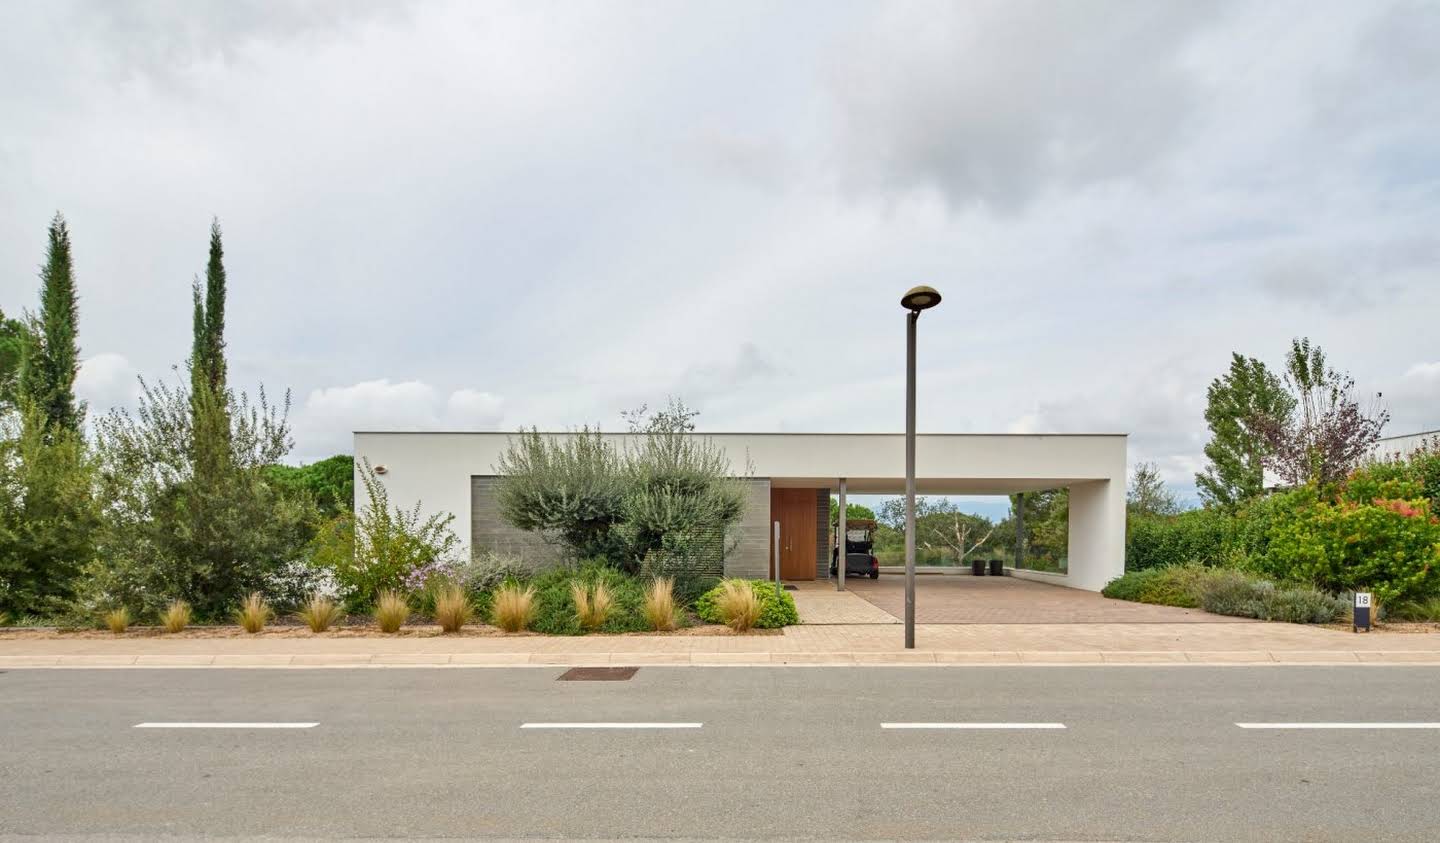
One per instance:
[(489, 532), (747, 554), (822, 533), (750, 557)]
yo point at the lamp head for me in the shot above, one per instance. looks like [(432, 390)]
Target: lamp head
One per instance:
[(920, 298)]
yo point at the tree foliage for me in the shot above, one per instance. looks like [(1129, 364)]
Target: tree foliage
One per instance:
[(189, 514), (569, 488), (48, 516), (329, 483), (1148, 494), (669, 497), (680, 496), (1237, 450), (939, 526), (14, 336), (1330, 435), (207, 352), (852, 511), (50, 354)]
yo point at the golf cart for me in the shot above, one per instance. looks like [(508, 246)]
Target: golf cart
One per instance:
[(859, 539)]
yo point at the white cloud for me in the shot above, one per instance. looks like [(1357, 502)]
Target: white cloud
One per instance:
[(589, 211), (324, 423), (105, 381)]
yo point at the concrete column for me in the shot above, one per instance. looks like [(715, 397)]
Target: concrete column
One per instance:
[(1020, 530), (840, 542), (1096, 542)]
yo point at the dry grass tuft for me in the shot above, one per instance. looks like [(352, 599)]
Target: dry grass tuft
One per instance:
[(514, 607), (660, 604), (592, 607), (320, 613), (391, 611), (453, 608), (254, 613), (738, 605), (176, 617), (119, 620)]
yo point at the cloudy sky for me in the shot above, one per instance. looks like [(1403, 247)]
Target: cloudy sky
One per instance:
[(482, 215)]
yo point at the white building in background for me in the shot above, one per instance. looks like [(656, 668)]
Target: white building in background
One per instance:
[(789, 477), (1402, 446)]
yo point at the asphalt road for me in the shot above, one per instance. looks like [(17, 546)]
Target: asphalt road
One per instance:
[(1145, 754)]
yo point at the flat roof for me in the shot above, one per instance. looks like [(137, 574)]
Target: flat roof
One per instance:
[(709, 433)]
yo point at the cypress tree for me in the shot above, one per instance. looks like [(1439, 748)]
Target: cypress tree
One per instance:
[(208, 348), (209, 398), (50, 356)]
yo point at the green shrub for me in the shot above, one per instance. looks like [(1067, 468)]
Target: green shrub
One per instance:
[(1197, 536), (1388, 547), (1129, 586), (1408, 478), (1235, 593), (1302, 605), (390, 547), (1226, 592), (777, 608), (556, 612), (1177, 585)]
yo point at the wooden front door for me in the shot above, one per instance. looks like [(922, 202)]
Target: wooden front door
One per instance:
[(796, 510)]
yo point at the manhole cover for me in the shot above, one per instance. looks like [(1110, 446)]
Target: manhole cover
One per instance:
[(791, 588), (598, 674)]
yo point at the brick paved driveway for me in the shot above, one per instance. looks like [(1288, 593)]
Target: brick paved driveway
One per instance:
[(965, 599)]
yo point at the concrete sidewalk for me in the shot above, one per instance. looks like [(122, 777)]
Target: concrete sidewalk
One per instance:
[(836, 644)]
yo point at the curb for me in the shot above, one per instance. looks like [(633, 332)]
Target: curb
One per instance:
[(1229, 658)]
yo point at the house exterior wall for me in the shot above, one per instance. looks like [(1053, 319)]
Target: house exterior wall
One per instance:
[(750, 558), (822, 533), (489, 532), (747, 556), (436, 470)]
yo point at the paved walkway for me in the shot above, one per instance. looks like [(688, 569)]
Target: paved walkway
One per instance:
[(964, 599), (819, 603), (837, 644)]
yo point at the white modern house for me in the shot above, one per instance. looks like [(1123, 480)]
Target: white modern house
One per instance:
[(790, 477)]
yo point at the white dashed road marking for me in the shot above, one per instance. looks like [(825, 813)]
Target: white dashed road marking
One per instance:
[(226, 725), (972, 725), (611, 725)]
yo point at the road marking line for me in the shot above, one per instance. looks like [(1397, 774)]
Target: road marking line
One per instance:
[(1338, 725), (226, 725), (972, 725), (611, 725)]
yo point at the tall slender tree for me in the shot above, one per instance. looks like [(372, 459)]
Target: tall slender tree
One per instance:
[(209, 395), (208, 351), (50, 356)]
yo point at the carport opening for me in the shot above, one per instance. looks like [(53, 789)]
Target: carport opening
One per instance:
[(1025, 531)]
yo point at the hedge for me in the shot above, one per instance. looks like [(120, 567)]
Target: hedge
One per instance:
[(1197, 536)]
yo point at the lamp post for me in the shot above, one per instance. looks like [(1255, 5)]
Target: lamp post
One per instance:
[(916, 300)]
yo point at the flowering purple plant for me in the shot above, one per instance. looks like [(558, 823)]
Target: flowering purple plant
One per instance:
[(421, 575)]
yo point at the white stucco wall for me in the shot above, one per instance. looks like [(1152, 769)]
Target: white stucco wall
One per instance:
[(435, 469), (1402, 446)]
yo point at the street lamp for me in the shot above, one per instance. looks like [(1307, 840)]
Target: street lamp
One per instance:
[(918, 299)]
